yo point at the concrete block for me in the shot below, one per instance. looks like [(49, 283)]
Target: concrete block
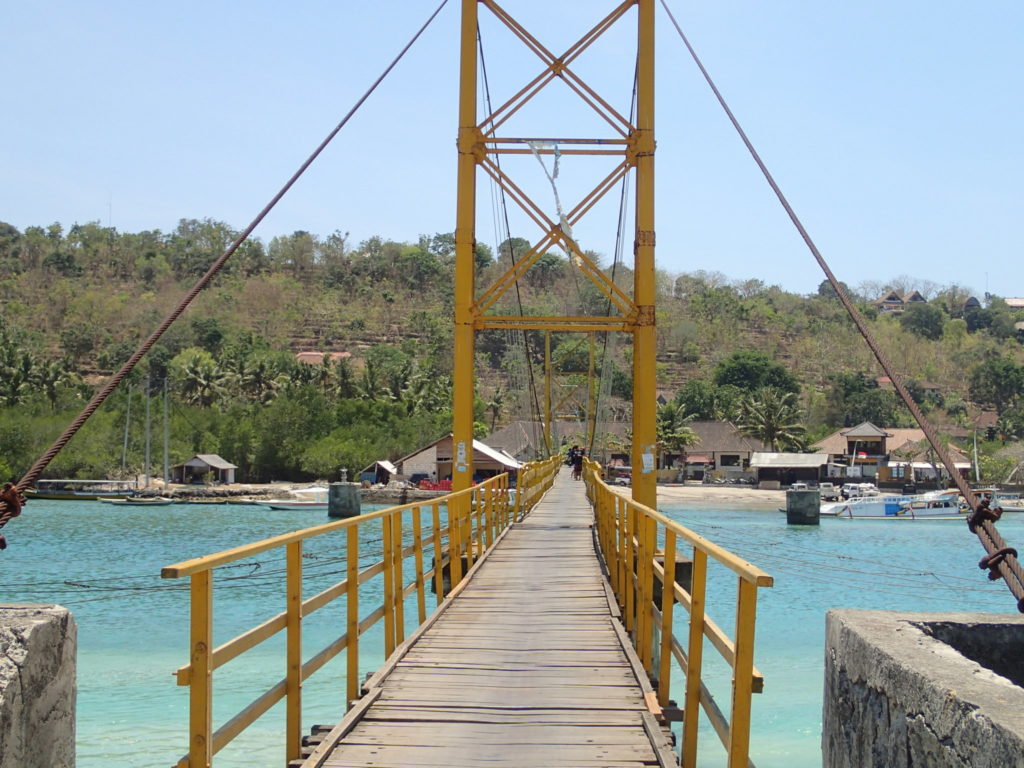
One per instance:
[(803, 507), (343, 500), (923, 689), (38, 644)]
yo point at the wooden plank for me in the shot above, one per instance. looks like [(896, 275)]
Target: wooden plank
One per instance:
[(422, 734), (526, 667), (387, 711), (489, 754), (328, 742)]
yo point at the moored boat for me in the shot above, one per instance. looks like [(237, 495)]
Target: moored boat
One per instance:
[(935, 505), (314, 497), (81, 490), (140, 501)]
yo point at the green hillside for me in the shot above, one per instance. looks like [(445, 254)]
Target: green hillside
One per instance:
[(76, 303)]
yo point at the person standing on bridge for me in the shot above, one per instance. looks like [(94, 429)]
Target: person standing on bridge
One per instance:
[(577, 464)]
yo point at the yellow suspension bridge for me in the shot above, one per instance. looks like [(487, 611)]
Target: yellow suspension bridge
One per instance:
[(562, 608), (555, 647)]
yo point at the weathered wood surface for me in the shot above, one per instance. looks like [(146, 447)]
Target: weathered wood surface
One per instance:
[(524, 668)]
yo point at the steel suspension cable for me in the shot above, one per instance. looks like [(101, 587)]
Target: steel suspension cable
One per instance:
[(604, 380), (98, 399), (999, 557)]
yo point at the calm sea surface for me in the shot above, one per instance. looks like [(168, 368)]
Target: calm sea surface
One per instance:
[(103, 562)]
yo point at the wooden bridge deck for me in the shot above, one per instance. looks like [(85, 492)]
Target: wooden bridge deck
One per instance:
[(526, 666)]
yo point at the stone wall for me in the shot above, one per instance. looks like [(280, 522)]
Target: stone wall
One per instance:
[(37, 686), (923, 689)]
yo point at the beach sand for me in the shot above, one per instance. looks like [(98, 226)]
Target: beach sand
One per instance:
[(730, 496)]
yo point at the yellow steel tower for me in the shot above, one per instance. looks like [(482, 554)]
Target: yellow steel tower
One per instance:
[(479, 144)]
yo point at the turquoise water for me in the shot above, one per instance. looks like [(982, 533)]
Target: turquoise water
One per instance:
[(876, 564), (103, 563)]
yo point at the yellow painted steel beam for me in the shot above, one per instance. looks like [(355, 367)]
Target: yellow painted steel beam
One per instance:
[(417, 536), (558, 67), (293, 652), (389, 585), (667, 603), (352, 616), (563, 152), (463, 375), (547, 390), (399, 558), (556, 324), (553, 235), (694, 657), (739, 726), (200, 694), (644, 450)]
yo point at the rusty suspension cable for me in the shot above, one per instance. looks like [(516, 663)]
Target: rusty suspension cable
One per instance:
[(98, 399), (999, 558)]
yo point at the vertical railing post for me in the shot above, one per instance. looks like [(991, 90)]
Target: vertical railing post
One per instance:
[(481, 526), (668, 585), (389, 585), (293, 652), (521, 484), (455, 539), (645, 623), (438, 553), (490, 514), (352, 616), (743, 674), (398, 562), (629, 556), (694, 656), (200, 713), (620, 551), (421, 596)]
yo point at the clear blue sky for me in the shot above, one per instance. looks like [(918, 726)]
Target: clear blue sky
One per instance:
[(893, 127)]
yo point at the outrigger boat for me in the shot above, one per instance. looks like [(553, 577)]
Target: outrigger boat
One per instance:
[(140, 501), (81, 490), (314, 497)]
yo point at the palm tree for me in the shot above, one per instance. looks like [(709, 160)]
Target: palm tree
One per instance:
[(773, 417), (261, 381), (14, 386), (673, 431), (344, 380), (496, 405), (202, 382), (50, 377)]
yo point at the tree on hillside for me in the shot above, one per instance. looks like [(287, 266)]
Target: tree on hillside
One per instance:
[(750, 370), (998, 382), (925, 320), (854, 397), (826, 291), (772, 416), (198, 378), (496, 406), (513, 249), (706, 401)]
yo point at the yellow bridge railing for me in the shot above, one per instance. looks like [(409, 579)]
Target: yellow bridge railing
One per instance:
[(628, 535), (472, 523)]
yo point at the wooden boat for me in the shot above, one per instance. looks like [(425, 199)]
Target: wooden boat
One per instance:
[(140, 501), (314, 497), (81, 490)]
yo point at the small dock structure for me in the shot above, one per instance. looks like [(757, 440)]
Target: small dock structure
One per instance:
[(527, 664)]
